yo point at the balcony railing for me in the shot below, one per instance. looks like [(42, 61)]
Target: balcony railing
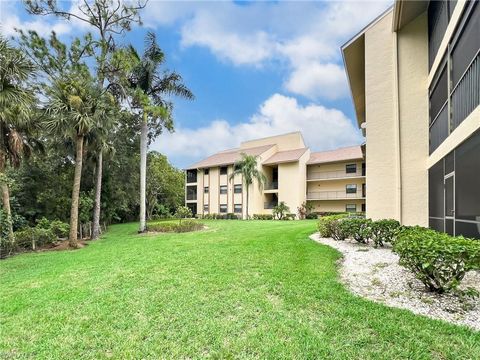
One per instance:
[(272, 185), (332, 195), (270, 204), (323, 175), (466, 94)]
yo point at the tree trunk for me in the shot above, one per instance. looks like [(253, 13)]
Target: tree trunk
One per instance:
[(247, 201), (98, 194), (76, 192), (143, 173), (8, 212)]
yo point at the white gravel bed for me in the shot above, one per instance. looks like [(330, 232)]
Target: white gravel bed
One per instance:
[(376, 275)]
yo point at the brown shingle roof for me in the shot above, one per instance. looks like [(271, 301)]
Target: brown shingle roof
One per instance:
[(343, 154), (285, 156), (228, 157)]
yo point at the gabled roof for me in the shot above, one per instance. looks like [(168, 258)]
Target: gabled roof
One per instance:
[(285, 156), (342, 154), (228, 157)]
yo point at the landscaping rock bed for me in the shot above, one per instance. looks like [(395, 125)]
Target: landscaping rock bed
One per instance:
[(376, 275)]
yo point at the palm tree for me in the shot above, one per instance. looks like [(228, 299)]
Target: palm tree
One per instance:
[(76, 106), (248, 168), (17, 104), (150, 90)]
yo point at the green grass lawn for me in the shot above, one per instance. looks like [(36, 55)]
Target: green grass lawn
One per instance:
[(257, 289)]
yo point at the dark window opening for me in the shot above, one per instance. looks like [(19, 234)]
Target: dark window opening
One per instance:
[(237, 208), (237, 189), (205, 189), (223, 170), (351, 208), (223, 208), (191, 193), (205, 208), (206, 171), (191, 176), (223, 189), (351, 189), (351, 168)]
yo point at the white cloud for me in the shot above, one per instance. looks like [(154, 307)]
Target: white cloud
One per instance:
[(38, 24), (306, 36), (322, 128)]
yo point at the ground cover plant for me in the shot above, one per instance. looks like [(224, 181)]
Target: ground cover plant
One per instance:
[(240, 289), (183, 226)]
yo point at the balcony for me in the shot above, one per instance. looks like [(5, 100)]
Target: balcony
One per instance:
[(333, 195), (191, 176), (272, 185), (331, 175), (270, 204)]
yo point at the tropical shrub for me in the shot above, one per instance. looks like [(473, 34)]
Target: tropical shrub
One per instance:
[(384, 231), (7, 247), (327, 223), (183, 212), (439, 260), (60, 228), (34, 237), (304, 210), (357, 228), (311, 216), (280, 210), (262, 217)]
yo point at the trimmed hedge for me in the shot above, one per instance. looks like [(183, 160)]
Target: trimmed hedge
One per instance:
[(439, 260), (357, 228), (326, 224), (184, 226), (262, 217), (213, 216), (384, 231)]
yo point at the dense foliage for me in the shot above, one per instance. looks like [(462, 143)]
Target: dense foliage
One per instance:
[(439, 260), (184, 226)]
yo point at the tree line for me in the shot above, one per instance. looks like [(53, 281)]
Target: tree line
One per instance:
[(76, 119)]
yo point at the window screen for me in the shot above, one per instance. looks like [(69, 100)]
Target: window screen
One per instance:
[(435, 187), (223, 170), (223, 208), (237, 208), (351, 189), (237, 189), (351, 168), (350, 208), (437, 25), (439, 94), (223, 189)]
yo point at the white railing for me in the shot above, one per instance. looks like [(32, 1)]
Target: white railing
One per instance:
[(332, 195), (322, 175)]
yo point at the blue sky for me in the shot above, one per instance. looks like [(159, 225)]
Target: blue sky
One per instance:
[(256, 68)]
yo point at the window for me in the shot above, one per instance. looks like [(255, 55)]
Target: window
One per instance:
[(205, 208), (351, 208), (223, 189), (193, 208), (191, 176), (364, 208), (351, 189), (223, 208), (237, 189), (205, 189), (437, 25), (206, 171), (191, 193), (237, 208), (223, 170), (351, 168)]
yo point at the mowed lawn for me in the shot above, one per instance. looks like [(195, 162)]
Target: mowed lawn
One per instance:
[(257, 289)]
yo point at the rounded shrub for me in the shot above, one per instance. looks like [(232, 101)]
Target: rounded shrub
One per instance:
[(384, 231), (438, 260)]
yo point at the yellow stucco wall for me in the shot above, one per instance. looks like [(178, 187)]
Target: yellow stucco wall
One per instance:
[(413, 106), (381, 155)]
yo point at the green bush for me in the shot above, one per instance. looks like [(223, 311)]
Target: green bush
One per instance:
[(185, 226), (262, 217), (311, 216), (281, 210), (327, 223), (439, 260), (34, 237), (59, 228), (357, 228), (384, 231)]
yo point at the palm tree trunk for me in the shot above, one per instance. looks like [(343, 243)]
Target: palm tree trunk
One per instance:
[(247, 202), (76, 192), (143, 173), (98, 194), (8, 212)]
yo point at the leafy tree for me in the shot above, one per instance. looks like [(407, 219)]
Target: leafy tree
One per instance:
[(17, 118), (248, 168), (183, 212), (108, 18), (279, 211), (149, 90), (165, 184)]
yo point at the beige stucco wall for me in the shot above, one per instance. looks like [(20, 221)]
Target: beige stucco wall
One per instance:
[(337, 167), (413, 113), (335, 205), (381, 157), (284, 142)]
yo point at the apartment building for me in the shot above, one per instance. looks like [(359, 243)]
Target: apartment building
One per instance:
[(332, 180), (414, 75)]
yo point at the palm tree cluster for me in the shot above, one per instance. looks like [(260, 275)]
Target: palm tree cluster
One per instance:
[(49, 89)]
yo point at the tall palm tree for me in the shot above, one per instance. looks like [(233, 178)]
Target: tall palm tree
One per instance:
[(76, 106), (150, 92), (17, 104), (247, 167)]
